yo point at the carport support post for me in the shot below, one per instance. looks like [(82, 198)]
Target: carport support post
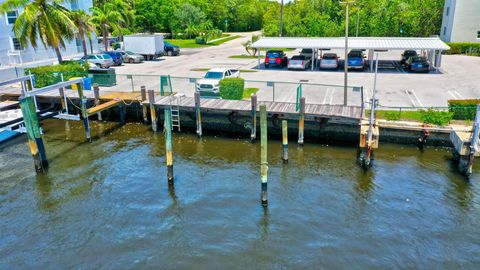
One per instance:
[(35, 138), (301, 121), (253, 134), (198, 115), (168, 145), (143, 92), (96, 94), (153, 110), (263, 152)]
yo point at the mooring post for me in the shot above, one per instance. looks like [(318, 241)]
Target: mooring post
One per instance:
[(198, 114), (253, 135), (285, 141), (301, 122), (96, 94), (153, 110), (35, 138), (263, 152), (168, 145), (61, 91), (123, 114), (83, 107), (143, 91)]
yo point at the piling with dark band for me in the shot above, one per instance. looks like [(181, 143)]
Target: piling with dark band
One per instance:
[(168, 144), (143, 91), (263, 152), (301, 121), (253, 135), (35, 140), (83, 107), (96, 94), (285, 141), (153, 110), (198, 114)]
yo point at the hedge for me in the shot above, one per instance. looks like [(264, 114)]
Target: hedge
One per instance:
[(471, 48), (463, 109), (44, 75), (232, 88)]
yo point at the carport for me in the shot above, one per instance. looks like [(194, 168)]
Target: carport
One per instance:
[(431, 47)]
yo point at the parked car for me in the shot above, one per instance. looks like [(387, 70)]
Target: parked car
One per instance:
[(406, 55), (100, 60), (329, 61), (356, 60), (130, 57), (171, 50), (116, 56), (418, 64), (276, 58), (210, 84), (308, 53), (299, 62)]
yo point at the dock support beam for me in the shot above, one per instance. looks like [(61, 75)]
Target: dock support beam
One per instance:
[(96, 94), (35, 138), (168, 145), (301, 122), (285, 141), (143, 92), (253, 134), (263, 154), (153, 110), (83, 107), (198, 115)]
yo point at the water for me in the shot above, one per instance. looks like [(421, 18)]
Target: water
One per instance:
[(107, 205)]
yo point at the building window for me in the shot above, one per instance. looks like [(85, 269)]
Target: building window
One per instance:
[(444, 30), (448, 11), (11, 16), (16, 46)]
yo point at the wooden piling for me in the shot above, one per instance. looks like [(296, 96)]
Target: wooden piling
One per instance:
[(61, 91), (123, 113), (253, 134), (35, 138), (96, 94), (263, 152), (83, 107), (143, 92), (153, 110), (285, 141), (301, 122), (198, 114), (168, 144)]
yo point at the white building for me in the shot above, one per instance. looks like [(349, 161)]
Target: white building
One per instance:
[(461, 21), (12, 53)]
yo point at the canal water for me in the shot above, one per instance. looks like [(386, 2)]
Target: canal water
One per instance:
[(107, 205)]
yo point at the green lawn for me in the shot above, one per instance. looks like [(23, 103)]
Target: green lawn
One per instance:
[(247, 92), (224, 40), (190, 43)]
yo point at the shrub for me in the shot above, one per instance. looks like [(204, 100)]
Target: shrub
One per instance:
[(232, 88), (439, 118), (471, 48), (200, 40), (45, 75), (464, 109)]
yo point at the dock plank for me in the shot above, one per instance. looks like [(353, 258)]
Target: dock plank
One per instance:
[(104, 106), (8, 104)]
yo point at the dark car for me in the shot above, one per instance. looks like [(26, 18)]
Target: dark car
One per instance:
[(417, 64), (117, 57), (171, 50), (356, 59), (406, 55), (276, 58)]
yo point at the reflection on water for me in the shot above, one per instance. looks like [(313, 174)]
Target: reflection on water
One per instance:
[(107, 205)]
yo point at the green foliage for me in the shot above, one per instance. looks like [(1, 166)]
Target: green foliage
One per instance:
[(232, 88), (200, 40), (248, 45), (44, 75), (465, 109), (247, 92), (469, 48), (392, 116), (439, 118)]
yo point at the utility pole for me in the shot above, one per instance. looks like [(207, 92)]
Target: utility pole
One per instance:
[(345, 66), (281, 20)]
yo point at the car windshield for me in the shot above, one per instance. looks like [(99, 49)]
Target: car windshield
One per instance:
[(298, 57), (214, 75), (355, 55), (329, 56), (167, 44), (129, 53), (419, 60), (307, 51), (410, 53), (105, 56), (274, 54)]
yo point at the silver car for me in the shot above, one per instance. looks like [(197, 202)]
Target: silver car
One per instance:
[(99, 60), (299, 62), (329, 61), (130, 57)]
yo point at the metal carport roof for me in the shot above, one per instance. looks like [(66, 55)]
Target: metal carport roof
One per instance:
[(377, 43)]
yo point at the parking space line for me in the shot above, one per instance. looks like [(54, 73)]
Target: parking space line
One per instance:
[(414, 98), (455, 94), (332, 92), (326, 96)]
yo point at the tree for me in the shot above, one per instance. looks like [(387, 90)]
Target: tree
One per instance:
[(106, 17), (84, 27), (46, 20), (189, 17)]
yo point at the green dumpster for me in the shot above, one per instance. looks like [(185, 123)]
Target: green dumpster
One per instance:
[(103, 76)]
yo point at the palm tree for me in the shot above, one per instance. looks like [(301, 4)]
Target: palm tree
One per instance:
[(46, 20), (106, 17), (84, 27)]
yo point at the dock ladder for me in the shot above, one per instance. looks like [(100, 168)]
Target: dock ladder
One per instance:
[(175, 100)]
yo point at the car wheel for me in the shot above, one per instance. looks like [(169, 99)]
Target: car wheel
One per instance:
[(170, 53), (131, 61), (98, 65)]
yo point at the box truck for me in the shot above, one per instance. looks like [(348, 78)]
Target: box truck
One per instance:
[(149, 45)]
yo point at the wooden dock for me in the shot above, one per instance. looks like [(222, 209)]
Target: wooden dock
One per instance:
[(8, 104), (312, 110)]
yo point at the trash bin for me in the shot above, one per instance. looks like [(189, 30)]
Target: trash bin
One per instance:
[(87, 83), (103, 76)]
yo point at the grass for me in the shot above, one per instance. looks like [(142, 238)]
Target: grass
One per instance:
[(243, 56), (224, 40), (190, 43), (207, 69), (247, 92)]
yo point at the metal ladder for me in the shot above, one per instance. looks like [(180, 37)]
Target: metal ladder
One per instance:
[(175, 108)]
